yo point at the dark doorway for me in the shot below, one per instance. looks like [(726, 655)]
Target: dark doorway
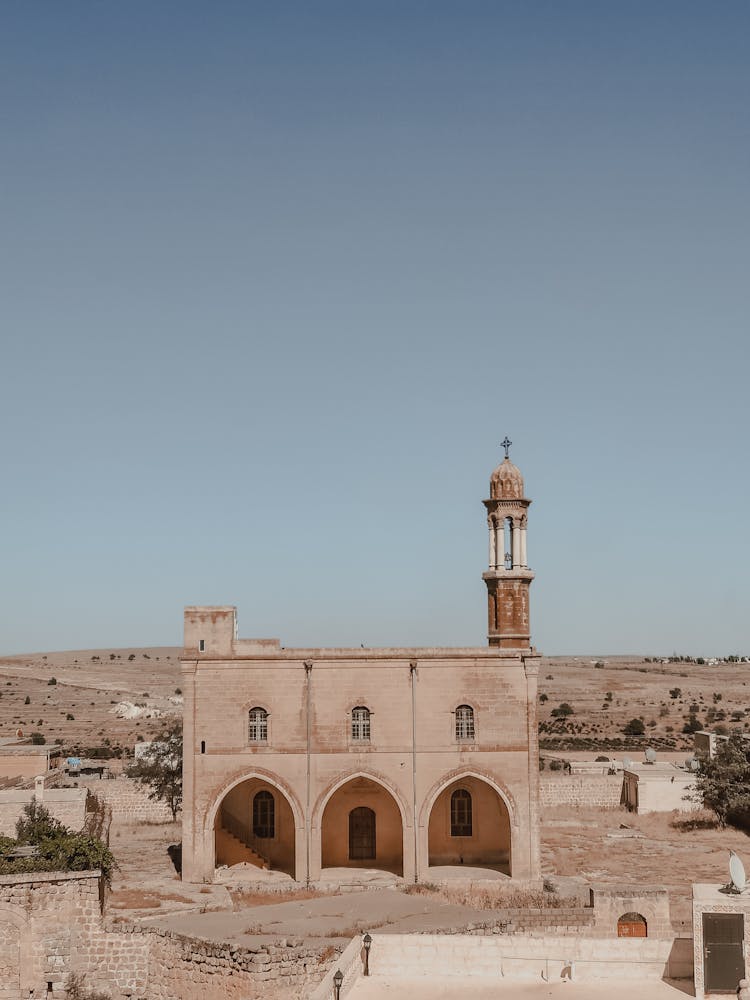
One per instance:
[(361, 834), (723, 961), (264, 815)]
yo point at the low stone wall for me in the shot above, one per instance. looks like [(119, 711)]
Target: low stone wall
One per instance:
[(51, 925), (129, 801), (550, 958), (66, 804), (195, 970), (604, 791), (553, 920)]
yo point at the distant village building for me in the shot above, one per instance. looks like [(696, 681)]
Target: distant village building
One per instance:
[(398, 758), (659, 787), (22, 759)]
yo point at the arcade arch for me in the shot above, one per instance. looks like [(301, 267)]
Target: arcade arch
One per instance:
[(254, 824), (362, 827), (469, 824)]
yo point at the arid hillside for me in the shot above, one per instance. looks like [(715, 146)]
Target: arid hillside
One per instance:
[(606, 693), (74, 697)]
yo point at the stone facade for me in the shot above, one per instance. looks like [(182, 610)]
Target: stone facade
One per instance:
[(399, 759)]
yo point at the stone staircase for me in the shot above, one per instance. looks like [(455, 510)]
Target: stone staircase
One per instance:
[(230, 850)]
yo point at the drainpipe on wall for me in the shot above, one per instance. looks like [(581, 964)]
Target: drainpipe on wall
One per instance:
[(308, 693), (413, 677)]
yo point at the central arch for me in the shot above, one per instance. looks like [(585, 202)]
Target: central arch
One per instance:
[(362, 826)]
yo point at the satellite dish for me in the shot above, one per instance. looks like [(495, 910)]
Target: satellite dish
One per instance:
[(650, 755), (736, 872), (626, 763)]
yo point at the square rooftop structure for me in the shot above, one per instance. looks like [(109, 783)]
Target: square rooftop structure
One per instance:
[(658, 787)]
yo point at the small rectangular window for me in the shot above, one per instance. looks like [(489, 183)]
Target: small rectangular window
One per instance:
[(203, 746), (201, 645)]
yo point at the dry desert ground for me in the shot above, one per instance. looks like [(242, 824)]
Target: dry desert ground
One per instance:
[(591, 844)]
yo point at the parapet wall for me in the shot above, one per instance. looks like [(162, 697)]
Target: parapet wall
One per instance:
[(550, 958), (604, 791)]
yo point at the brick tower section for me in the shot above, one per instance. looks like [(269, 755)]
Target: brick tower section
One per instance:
[(508, 576)]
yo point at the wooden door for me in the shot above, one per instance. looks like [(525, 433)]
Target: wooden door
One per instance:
[(361, 834)]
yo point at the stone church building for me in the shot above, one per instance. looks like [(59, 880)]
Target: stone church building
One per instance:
[(397, 759)]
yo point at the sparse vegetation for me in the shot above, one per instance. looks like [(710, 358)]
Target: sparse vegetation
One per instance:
[(58, 849), (723, 782), (562, 711)]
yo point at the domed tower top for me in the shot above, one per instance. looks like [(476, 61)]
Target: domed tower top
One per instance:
[(506, 482)]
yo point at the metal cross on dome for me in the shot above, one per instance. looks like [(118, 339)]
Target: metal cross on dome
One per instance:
[(506, 444)]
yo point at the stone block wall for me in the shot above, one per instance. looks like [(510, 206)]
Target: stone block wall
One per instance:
[(46, 922), (613, 902), (129, 801), (603, 791), (66, 804), (196, 970)]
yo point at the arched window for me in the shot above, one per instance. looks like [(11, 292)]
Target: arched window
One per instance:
[(464, 722), (257, 725), (264, 815), (360, 723), (461, 813)]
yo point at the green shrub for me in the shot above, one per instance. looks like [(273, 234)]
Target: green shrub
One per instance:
[(634, 728)]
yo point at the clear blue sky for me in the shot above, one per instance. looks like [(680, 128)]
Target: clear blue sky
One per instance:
[(277, 278)]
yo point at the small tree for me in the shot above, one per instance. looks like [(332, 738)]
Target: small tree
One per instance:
[(634, 728), (562, 711), (723, 782), (160, 768), (675, 693)]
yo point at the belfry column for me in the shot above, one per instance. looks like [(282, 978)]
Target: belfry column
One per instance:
[(516, 543), (522, 532), (493, 543)]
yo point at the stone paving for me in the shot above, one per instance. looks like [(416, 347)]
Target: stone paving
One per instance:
[(477, 988)]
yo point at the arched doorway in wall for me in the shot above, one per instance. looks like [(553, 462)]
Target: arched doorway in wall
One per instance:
[(10, 960), (362, 828), (255, 825), (469, 825)]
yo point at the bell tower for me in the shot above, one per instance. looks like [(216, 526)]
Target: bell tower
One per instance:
[(508, 577)]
